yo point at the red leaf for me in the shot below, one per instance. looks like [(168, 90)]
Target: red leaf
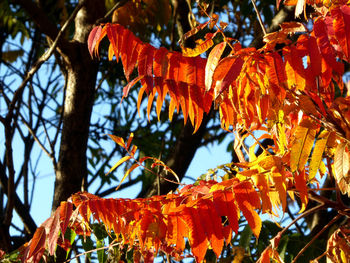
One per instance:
[(129, 52), (275, 69), (326, 48), (225, 205), (160, 62), (53, 228), (200, 64), (341, 24), (213, 225), (127, 88), (225, 73), (66, 211), (93, 38), (115, 33), (37, 243), (145, 60), (315, 63)]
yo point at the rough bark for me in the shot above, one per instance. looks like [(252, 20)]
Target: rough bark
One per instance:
[(187, 143), (182, 154), (82, 72)]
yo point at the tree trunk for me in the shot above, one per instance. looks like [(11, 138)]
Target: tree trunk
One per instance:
[(82, 71)]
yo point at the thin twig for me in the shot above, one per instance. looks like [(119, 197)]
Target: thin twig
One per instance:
[(37, 139), (259, 18), (296, 223), (306, 213), (110, 12), (10, 115), (43, 58), (92, 250), (315, 237), (217, 27)]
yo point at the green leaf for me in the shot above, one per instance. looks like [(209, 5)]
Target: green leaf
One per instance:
[(88, 245), (99, 231), (101, 255), (69, 235), (245, 238)]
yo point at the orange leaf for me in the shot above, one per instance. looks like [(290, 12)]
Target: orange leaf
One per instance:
[(213, 225), (248, 200), (225, 73), (132, 168), (129, 141), (195, 30), (300, 185), (197, 238), (37, 243), (275, 69), (118, 140), (212, 62)]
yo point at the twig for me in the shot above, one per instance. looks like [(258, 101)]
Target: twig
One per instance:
[(217, 27), (259, 18), (92, 250), (9, 116), (296, 224), (306, 213), (43, 58), (315, 237), (110, 12), (36, 138)]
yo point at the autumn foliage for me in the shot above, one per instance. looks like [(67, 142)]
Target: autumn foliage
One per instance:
[(291, 90)]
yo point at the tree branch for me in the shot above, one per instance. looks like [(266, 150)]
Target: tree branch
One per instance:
[(39, 16)]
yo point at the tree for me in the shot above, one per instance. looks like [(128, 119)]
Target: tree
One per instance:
[(291, 89), (37, 88)]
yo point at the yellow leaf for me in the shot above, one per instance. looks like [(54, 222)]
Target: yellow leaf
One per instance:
[(281, 188), (301, 147), (199, 49), (122, 160), (341, 167), (132, 168), (317, 153)]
